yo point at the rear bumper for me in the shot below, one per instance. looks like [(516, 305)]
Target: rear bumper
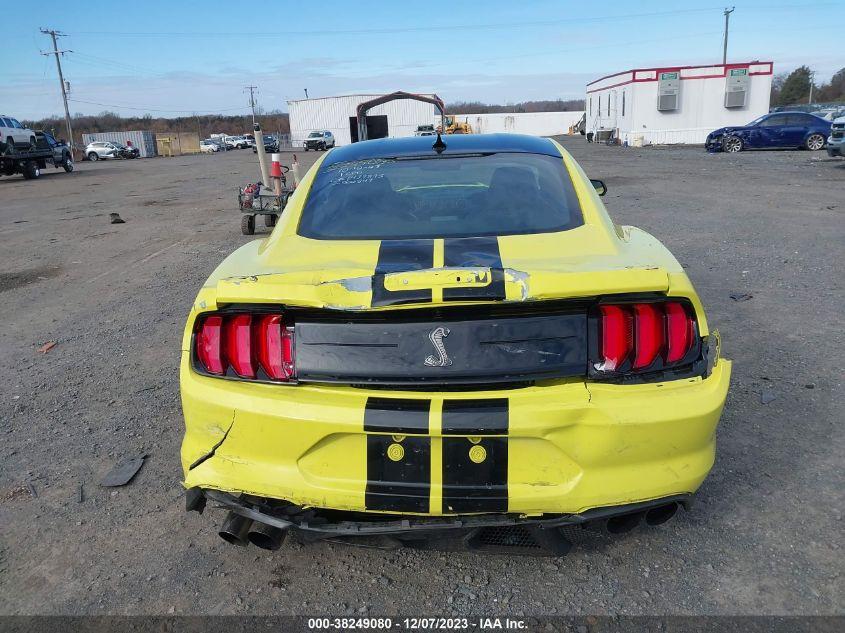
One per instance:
[(567, 446), (514, 534)]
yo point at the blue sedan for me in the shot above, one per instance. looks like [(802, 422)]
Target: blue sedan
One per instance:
[(778, 129)]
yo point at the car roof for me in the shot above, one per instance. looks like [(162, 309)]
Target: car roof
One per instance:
[(455, 144), (796, 112)]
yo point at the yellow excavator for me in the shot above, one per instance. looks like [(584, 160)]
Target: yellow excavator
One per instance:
[(453, 126)]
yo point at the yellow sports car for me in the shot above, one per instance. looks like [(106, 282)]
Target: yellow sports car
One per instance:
[(448, 343)]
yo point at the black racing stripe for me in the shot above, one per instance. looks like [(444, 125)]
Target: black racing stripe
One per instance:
[(469, 486), (475, 487), (398, 256), (398, 486), (475, 417), (399, 416), (475, 251)]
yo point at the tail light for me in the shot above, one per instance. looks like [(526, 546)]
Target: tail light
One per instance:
[(639, 337), (251, 346)]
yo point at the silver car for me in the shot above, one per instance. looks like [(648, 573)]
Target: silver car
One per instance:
[(102, 149), (14, 135), (836, 140)]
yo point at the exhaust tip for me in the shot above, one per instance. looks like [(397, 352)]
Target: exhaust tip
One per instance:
[(661, 514), (266, 536), (234, 529), (624, 523)]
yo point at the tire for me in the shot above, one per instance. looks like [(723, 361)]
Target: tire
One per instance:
[(306, 148), (732, 144), (30, 170), (67, 163), (814, 142), (248, 224), (33, 145), (10, 145), (93, 156), (270, 220)]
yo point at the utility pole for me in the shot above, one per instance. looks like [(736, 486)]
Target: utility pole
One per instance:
[(812, 81), (727, 21), (251, 89), (56, 52), (306, 92)]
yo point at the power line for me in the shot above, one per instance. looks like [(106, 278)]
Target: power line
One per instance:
[(727, 22), (252, 90), (56, 52), (413, 29), (150, 109)]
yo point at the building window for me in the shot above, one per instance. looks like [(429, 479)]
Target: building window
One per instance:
[(598, 111), (608, 105), (591, 106), (623, 103)]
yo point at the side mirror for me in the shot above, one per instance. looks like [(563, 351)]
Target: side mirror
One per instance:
[(599, 186)]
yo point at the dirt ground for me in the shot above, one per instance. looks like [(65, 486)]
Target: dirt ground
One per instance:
[(762, 539)]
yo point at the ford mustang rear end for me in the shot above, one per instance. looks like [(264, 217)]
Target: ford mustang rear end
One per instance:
[(448, 343)]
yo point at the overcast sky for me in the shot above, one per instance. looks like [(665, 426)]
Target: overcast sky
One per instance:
[(169, 58)]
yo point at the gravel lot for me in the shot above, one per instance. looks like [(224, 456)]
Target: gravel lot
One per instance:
[(762, 538)]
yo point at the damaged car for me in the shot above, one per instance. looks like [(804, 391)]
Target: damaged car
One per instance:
[(776, 130), (448, 344)]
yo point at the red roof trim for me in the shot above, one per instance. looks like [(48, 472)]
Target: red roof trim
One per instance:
[(657, 71), (671, 68)]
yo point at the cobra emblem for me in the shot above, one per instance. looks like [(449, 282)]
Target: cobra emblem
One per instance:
[(436, 337)]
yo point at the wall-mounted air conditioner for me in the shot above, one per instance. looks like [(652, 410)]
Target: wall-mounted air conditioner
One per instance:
[(736, 88), (668, 91)]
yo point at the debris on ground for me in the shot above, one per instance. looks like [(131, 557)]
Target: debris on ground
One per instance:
[(18, 491), (123, 472), (741, 296), (767, 396), (47, 347), (116, 219)]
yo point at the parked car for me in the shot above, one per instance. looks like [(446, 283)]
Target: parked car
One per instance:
[(62, 156), (319, 140), (777, 129), (98, 150), (15, 136), (451, 349), (101, 150), (837, 137), (237, 142), (271, 144), (425, 130), (209, 146)]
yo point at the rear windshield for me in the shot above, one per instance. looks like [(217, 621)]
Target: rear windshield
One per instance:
[(443, 196)]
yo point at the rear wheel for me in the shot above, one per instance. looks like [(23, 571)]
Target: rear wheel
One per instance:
[(93, 156), (31, 170), (248, 224), (270, 220), (10, 145), (732, 144), (814, 142), (67, 163), (33, 145)]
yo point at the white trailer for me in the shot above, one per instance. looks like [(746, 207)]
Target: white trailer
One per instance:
[(677, 104), (338, 115)]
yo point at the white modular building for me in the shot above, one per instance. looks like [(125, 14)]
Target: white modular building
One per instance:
[(533, 123), (678, 104), (338, 116)]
